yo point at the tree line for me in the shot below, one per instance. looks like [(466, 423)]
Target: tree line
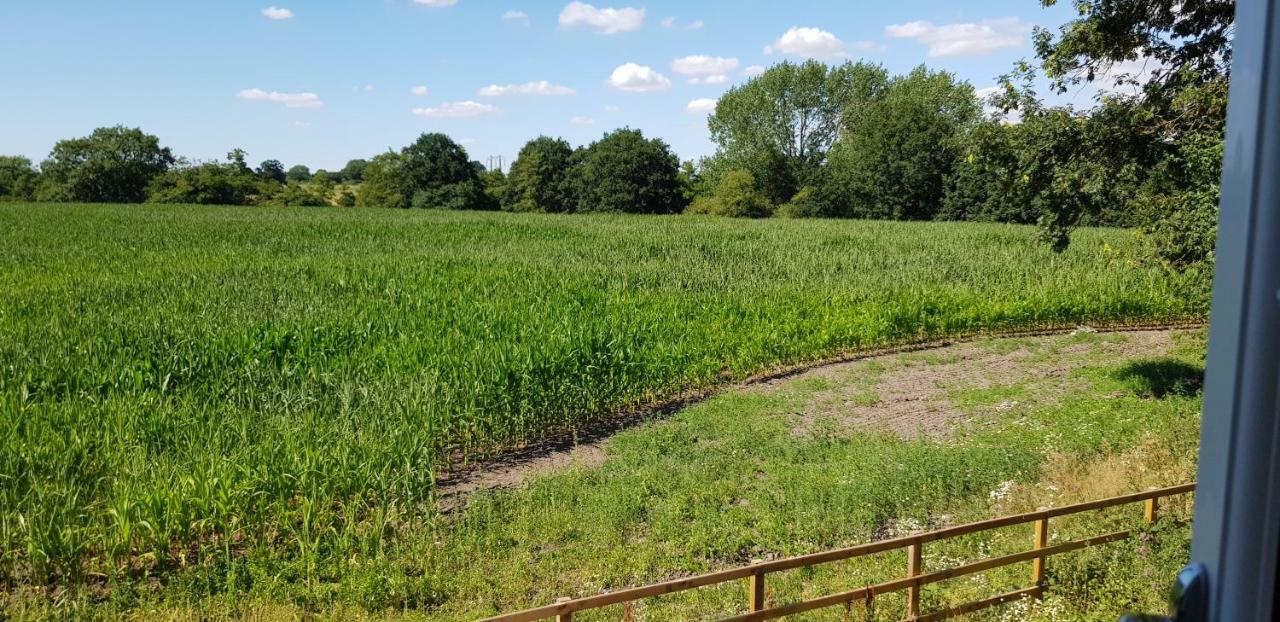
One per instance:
[(804, 140), (621, 172)]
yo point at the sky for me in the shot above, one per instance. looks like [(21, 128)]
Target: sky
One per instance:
[(321, 82)]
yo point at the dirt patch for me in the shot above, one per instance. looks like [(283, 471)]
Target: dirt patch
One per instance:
[(904, 389), (511, 472), (911, 395)]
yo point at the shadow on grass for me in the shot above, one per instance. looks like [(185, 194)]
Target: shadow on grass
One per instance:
[(1160, 378)]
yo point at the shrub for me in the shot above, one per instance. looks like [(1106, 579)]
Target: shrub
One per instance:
[(211, 183), (736, 196), (384, 183), (296, 195), (802, 205)]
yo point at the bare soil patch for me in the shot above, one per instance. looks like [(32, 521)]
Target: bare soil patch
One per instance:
[(906, 391), (910, 394)]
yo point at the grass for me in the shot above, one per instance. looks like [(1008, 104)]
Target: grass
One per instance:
[(726, 482), (257, 401)]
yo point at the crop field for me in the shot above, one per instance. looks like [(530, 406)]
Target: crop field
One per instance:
[(203, 393)]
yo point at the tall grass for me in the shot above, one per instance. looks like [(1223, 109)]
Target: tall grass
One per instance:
[(178, 384)]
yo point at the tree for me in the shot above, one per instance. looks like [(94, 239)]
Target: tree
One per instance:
[(735, 196), (897, 150), (693, 183), (272, 170), (781, 124), (624, 172), (111, 165), (212, 183), (439, 175), (239, 159), (1185, 46), (17, 178), (299, 173), (495, 184), (353, 172), (539, 179), (385, 184), (986, 183)]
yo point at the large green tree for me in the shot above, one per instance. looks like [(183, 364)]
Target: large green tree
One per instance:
[(625, 172), (17, 178), (111, 165), (353, 172), (540, 178), (781, 124), (298, 173), (897, 150), (272, 170), (439, 175)]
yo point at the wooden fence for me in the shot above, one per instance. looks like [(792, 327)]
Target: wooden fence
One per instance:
[(915, 579)]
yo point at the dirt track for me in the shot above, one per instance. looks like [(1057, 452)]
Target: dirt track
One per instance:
[(903, 390)]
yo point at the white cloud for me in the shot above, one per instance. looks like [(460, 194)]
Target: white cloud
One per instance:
[(582, 121), (753, 71), (967, 39), (613, 109), (420, 91), (984, 93), (436, 4), (290, 100), (638, 79), (515, 16), (701, 106), (700, 65), (541, 87), (1119, 78), (672, 22), (808, 43), (466, 141), (368, 88), (608, 21), (455, 110), (275, 12)]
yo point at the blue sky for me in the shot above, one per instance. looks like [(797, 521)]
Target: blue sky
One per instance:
[(321, 82)]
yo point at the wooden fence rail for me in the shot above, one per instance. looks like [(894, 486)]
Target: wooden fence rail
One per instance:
[(915, 579)]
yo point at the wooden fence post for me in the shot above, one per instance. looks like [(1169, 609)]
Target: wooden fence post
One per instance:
[(567, 616), (914, 563), (1042, 540), (1153, 507), (756, 596)]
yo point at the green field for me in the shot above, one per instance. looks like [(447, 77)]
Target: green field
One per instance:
[(217, 393)]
